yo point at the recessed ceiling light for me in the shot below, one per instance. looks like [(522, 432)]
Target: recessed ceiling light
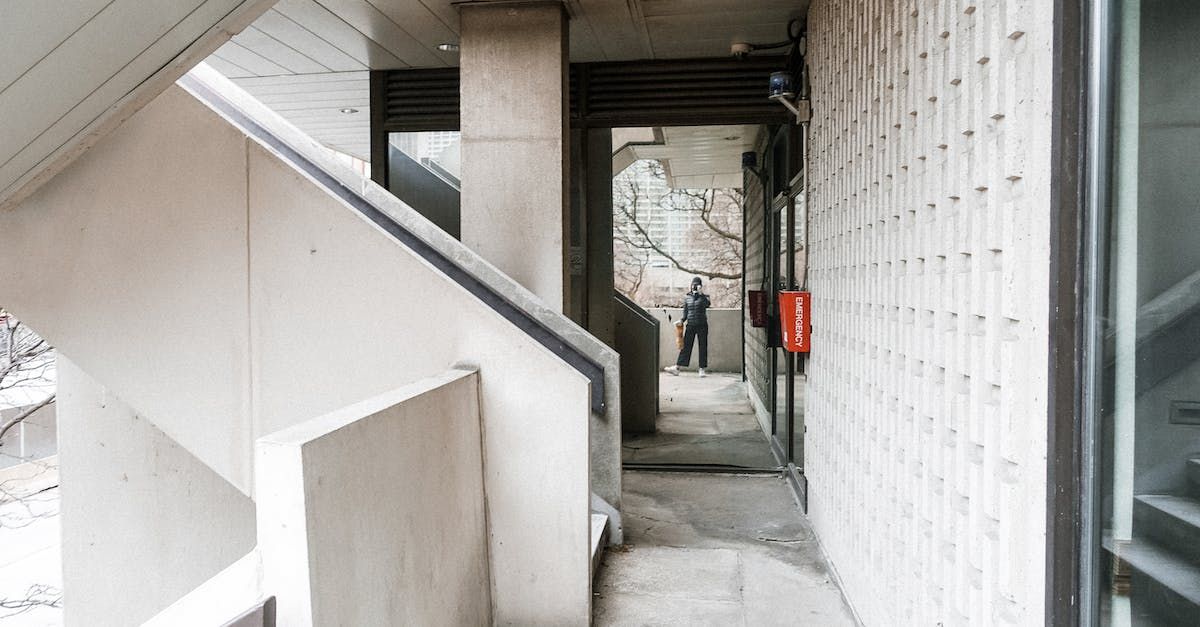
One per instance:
[(348, 110), (447, 47)]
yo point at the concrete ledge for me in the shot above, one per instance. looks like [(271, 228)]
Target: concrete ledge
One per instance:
[(229, 595)]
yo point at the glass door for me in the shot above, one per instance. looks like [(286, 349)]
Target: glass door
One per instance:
[(787, 265)]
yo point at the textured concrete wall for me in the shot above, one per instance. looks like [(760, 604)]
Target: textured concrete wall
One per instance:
[(515, 157), (927, 382), (373, 514)]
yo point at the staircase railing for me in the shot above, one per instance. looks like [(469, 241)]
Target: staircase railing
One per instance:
[(486, 293)]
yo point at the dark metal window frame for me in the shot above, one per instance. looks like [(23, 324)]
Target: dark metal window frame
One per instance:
[(684, 92), (1067, 504)]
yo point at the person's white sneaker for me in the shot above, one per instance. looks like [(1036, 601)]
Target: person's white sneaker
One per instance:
[(703, 372), (672, 370)]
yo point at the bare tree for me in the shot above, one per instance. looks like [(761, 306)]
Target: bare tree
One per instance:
[(38, 595), (25, 361), (710, 246)]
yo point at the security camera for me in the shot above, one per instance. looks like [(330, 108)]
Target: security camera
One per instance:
[(740, 50)]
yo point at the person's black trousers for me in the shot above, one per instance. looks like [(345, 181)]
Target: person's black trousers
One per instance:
[(690, 334)]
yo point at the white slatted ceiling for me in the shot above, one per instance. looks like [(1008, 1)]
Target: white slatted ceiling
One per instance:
[(313, 102), (69, 68), (701, 157)]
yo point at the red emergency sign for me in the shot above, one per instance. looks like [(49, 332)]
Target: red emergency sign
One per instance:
[(795, 319)]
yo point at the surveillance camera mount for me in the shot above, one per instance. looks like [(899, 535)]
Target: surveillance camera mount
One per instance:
[(801, 108)]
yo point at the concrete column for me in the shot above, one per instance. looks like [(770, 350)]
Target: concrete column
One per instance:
[(515, 159)]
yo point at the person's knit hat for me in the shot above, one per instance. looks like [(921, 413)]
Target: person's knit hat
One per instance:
[(697, 281)]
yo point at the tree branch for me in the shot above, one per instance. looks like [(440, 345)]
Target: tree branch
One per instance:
[(19, 418)]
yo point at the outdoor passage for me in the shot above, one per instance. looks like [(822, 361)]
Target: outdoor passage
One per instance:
[(614, 312)]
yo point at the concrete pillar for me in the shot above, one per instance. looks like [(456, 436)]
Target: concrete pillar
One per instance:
[(515, 159)]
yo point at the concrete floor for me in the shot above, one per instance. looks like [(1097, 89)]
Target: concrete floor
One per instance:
[(712, 549), (706, 549), (702, 421)]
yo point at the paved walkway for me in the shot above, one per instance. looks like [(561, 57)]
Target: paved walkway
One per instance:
[(713, 549), (702, 421)]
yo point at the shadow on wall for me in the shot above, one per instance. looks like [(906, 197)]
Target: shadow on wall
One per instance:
[(724, 339)]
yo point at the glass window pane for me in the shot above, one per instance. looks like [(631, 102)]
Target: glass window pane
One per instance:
[(1148, 366)]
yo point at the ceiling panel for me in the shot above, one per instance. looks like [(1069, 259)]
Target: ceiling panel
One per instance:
[(72, 69), (286, 30), (313, 103), (332, 37), (378, 27), (430, 27), (43, 25), (250, 61), (335, 30), (701, 156), (278, 52)]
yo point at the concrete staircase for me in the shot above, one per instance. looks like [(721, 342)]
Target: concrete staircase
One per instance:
[(599, 536), (1165, 554)]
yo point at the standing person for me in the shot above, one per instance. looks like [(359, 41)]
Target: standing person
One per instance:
[(695, 316)]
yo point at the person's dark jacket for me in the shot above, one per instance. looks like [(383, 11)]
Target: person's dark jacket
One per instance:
[(695, 309)]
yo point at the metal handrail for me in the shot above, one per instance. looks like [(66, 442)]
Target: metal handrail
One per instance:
[(487, 294)]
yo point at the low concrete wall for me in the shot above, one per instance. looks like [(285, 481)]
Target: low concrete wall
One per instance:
[(637, 335), (225, 295), (724, 339), (374, 514)]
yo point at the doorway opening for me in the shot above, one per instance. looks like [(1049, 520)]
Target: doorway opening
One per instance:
[(693, 202)]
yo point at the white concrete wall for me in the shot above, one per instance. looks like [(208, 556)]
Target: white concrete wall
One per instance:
[(926, 444), (724, 339), (143, 521), (374, 514), (226, 296), (134, 261)]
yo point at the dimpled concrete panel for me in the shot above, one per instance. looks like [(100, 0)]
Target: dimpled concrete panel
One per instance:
[(930, 200)]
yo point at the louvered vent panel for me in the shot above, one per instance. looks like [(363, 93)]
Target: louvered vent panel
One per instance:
[(686, 89), (655, 93), (421, 100)]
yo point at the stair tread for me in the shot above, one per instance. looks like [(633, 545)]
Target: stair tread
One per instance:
[(599, 521), (1163, 566), (1184, 508), (599, 538)]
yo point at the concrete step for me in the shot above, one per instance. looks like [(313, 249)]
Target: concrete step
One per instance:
[(1165, 588), (1172, 522), (599, 539), (1193, 475)]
